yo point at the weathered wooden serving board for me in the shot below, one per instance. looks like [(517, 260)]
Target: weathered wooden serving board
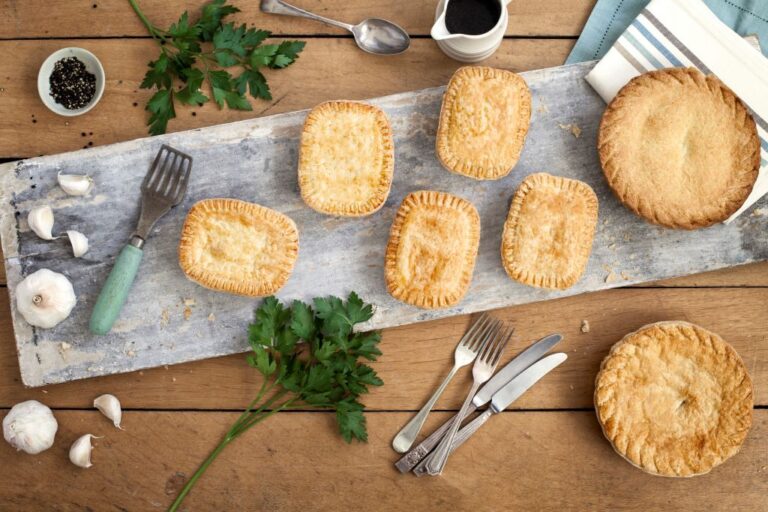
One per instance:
[(169, 319)]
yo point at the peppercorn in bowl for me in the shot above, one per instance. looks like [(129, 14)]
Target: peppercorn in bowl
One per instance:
[(71, 81)]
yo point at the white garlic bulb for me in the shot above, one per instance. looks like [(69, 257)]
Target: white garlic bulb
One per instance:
[(80, 451), (45, 298), (40, 220), (75, 184), (30, 426), (79, 242), (109, 406)]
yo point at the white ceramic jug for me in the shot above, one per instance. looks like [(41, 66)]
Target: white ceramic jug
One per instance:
[(467, 48)]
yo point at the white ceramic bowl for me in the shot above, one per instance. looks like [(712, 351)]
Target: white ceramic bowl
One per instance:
[(92, 65)]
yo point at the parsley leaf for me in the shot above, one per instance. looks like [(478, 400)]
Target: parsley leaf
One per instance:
[(195, 52)]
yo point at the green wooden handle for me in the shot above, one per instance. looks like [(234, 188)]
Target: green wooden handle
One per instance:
[(115, 290)]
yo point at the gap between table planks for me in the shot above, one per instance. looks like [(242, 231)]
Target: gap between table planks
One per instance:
[(296, 461)]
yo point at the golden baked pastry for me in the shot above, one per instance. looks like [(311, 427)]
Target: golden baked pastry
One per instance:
[(483, 122), (432, 248), (346, 158), (674, 399), (679, 148), (238, 247), (547, 237)]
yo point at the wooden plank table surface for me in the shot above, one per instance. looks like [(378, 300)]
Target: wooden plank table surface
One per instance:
[(546, 454)]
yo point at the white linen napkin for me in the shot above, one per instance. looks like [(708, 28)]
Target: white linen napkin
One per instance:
[(685, 33)]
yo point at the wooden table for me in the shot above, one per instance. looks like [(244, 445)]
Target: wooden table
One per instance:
[(547, 454)]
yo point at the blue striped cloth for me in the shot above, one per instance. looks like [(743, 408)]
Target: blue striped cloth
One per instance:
[(610, 18), (685, 33)]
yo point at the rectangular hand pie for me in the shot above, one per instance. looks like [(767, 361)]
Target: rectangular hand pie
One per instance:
[(548, 234), (238, 247), (346, 158), (483, 122), (432, 249)]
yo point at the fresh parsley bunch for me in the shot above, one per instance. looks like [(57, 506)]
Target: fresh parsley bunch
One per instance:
[(309, 357), (183, 58)]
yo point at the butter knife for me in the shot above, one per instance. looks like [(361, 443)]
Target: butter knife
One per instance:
[(502, 377), (502, 399)]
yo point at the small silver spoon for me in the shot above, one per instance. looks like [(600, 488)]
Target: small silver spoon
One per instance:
[(373, 35)]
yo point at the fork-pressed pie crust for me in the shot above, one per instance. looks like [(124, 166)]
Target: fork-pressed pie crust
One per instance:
[(483, 122), (548, 234), (346, 158), (674, 399), (679, 148), (238, 247), (432, 249)]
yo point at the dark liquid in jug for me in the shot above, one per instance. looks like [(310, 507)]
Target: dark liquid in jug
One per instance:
[(472, 17)]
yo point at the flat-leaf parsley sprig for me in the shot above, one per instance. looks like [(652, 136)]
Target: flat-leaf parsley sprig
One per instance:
[(310, 357), (183, 58)]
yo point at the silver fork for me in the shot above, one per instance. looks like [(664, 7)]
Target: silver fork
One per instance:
[(485, 365), (466, 352), (163, 187)]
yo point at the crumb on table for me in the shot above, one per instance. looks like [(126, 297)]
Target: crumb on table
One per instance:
[(585, 326)]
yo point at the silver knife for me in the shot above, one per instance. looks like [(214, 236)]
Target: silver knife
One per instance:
[(502, 377), (502, 399)]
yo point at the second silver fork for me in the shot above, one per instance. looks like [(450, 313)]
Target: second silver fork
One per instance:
[(493, 346)]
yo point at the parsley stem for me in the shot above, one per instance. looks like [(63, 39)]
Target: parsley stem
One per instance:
[(151, 28), (256, 417)]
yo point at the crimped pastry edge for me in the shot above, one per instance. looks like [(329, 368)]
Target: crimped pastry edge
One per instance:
[(524, 276), (376, 201), (248, 289), (452, 162), (675, 323), (643, 208), (410, 202)]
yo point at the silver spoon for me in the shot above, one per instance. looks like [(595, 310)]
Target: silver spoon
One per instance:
[(373, 35)]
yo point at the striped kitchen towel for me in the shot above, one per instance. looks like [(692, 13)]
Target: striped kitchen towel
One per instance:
[(685, 33)]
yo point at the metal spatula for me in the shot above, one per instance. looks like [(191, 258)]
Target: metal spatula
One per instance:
[(164, 187)]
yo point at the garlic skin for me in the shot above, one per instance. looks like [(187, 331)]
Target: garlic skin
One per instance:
[(109, 406), (40, 220), (79, 242), (30, 427), (45, 298), (80, 452), (75, 184)]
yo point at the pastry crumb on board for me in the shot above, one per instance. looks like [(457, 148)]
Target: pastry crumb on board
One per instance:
[(585, 326), (571, 127)]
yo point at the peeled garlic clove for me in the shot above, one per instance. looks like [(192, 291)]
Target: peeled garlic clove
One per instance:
[(109, 406), (40, 220), (30, 426), (45, 298), (80, 452), (79, 242), (75, 184)]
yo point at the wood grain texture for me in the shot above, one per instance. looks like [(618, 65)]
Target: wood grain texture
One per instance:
[(296, 462), (115, 18), (30, 129), (417, 356), (337, 255)]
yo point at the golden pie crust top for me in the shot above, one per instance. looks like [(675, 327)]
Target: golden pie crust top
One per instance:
[(346, 158), (432, 249), (679, 148), (674, 399), (548, 234), (483, 122), (238, 247)]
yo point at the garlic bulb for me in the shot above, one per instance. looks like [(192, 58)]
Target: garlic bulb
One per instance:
[(109, 406), (75, 184), (45, 298), (79, 242), (80, 452), (30, 426), (40, 220)]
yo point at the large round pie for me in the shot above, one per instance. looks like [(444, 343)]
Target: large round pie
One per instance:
[(679, 148), (674, 399)]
